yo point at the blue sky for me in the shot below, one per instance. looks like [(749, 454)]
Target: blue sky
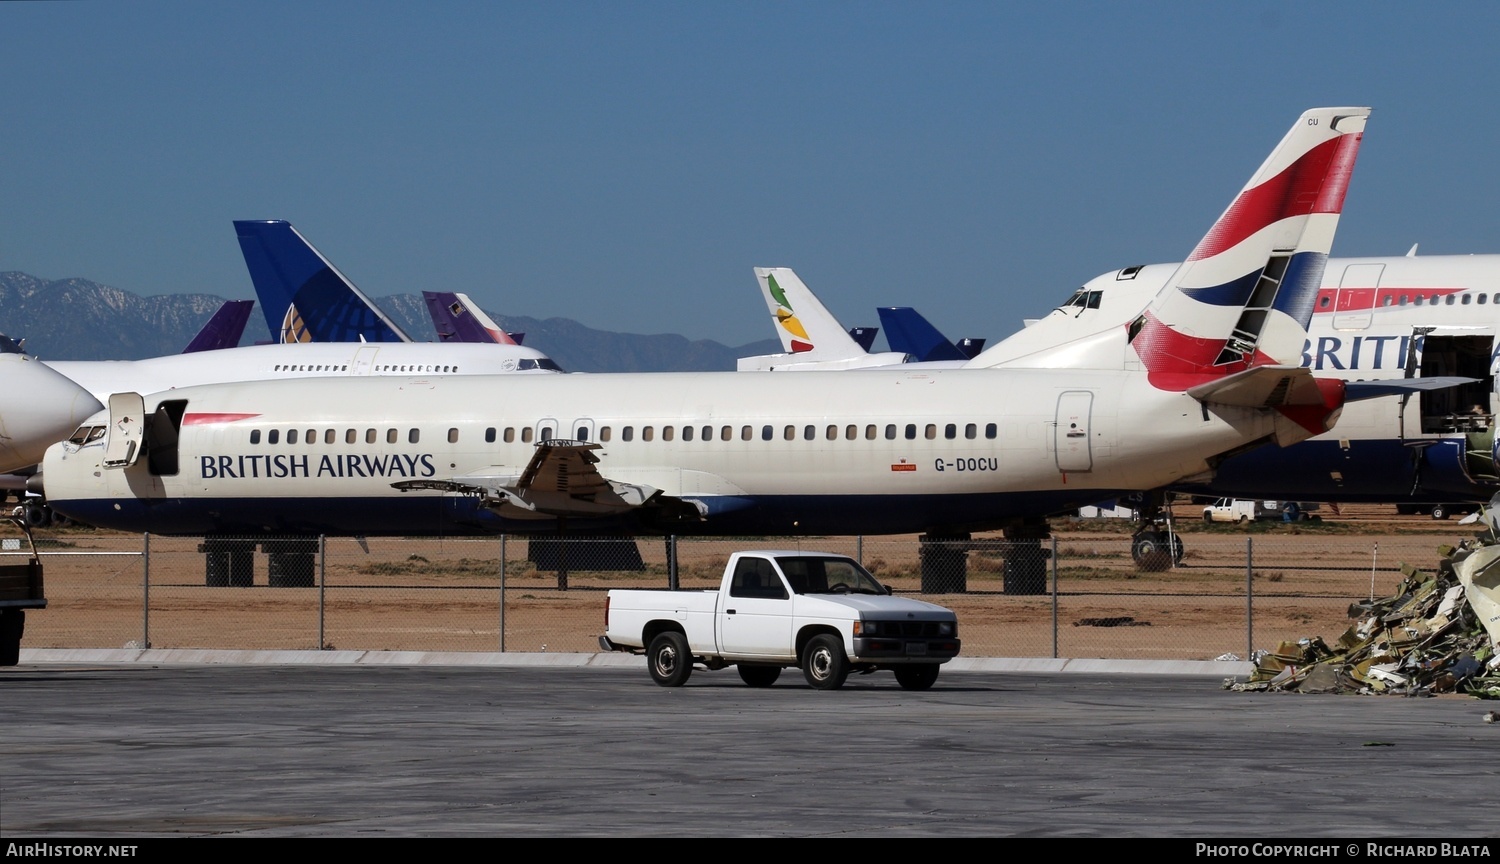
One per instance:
[(626, 164)]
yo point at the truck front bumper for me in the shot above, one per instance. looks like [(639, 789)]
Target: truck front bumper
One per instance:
[(884, 649)]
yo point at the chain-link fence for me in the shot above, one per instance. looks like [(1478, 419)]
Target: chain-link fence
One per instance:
[(1076, 594)]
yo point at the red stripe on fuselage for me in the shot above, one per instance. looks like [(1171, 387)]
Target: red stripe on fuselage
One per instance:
[(1315, 183), (205, 419), (1364, 298)]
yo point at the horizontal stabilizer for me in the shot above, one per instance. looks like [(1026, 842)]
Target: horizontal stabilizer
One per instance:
[(1261, 387), (1356, 391)]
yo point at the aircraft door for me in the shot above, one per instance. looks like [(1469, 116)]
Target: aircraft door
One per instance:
[(546, 429), (1071, 436), (127, 428), (583, 429), (364, 361), (1358, 291)]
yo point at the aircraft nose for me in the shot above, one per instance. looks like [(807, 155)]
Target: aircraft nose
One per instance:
[(38, 406)]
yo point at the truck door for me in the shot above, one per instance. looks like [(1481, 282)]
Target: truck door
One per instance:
[(756, 617)]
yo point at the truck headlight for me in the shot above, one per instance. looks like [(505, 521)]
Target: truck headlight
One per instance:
[(866, 628), (946, 628)]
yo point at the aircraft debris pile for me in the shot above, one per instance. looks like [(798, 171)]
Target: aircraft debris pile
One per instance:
[(1437, 634)]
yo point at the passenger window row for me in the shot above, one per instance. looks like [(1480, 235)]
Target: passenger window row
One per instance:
[(767, 432), (417, 367)]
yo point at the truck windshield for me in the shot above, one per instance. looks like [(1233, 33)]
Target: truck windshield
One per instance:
[(821, 575)]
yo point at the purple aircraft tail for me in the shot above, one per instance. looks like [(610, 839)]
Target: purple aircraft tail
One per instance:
[(458, 319), (224, 329)]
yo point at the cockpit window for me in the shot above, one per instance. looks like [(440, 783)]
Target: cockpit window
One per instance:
[(1083, 298), (86, 434), (543, 364)]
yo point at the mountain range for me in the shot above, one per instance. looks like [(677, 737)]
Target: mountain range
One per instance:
[(75, 319)]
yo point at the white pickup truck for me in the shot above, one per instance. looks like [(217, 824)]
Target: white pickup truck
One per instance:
[(776, 609)]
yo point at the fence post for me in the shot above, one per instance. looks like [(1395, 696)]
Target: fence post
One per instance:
[(672, 562), (146, 590), (1054, 596), (322, 587), (1249, 597), (503, 564)]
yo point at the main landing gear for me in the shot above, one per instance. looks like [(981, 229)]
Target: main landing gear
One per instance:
[(1155, 546)]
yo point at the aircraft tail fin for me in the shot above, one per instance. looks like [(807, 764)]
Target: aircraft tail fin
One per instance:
[(908, 332), (304, 297), (459, 319), (224, 329), (1244, 297), (802, 322), (864, 337), (971, 347)]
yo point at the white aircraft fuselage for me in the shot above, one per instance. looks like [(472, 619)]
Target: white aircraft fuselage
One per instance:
[(820, 452)]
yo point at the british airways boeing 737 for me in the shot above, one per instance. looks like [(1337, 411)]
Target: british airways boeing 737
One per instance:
[(1208, 370)]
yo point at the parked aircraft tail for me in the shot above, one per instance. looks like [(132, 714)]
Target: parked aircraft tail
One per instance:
[(864, 337), (1244, 297), (907, 331), (304, 297), (459, 319), (224, 329), (809, 333)]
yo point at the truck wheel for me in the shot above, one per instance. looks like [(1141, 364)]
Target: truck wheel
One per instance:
[(669, 660), (918, 677), (759, 676), (824, 665), (1440, 511), (1208, 517)]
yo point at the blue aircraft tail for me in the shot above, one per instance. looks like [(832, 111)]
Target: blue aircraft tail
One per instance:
[(306, 298), (224, 329), (865, 336), (907, 331)]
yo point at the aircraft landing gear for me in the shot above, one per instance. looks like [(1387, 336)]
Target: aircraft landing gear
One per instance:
[(1155, 546), (1155, 549)]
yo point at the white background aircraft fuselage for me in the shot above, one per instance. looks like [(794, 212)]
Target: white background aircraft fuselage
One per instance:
[(1366, 315), (295, 360)]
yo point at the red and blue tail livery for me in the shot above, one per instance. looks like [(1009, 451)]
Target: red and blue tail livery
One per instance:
[(1255, 275)]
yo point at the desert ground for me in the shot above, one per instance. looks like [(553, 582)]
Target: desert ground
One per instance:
[(1238, 588)]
